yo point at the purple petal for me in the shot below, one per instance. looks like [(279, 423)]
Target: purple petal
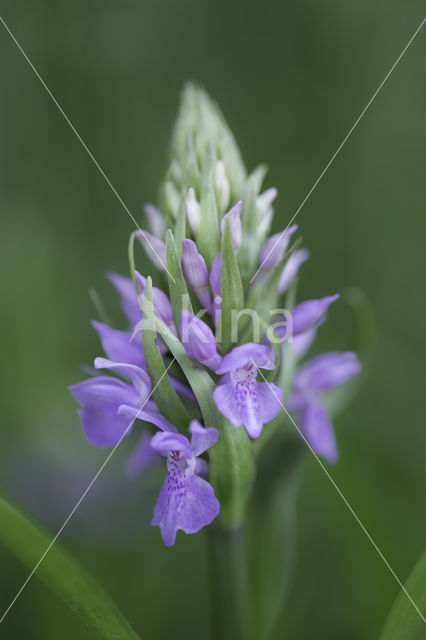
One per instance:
[(215, 274), (244, 354), (234, 218), (202, 439), (129, 301), (198, 340), (328, 370), (185, 502), (249, 404), (193, 265), (291, 268), (118, 346), (156, 221), (307, 314), (155, 249), (100, 398), (141, 457), (138, 376), (318, 430), (166, 442), (153, 416), (274, 248)]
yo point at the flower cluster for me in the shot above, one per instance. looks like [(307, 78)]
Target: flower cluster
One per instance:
[(204, 352)]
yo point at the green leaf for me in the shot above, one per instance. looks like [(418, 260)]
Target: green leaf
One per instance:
[(231, 292), (180, 227), (177, 286), (62, 574), (231, 459), (165, 396), (208, 234), (404, 621)]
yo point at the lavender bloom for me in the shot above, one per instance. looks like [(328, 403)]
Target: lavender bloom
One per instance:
[(304, 317), (186, 501), (199, 341), (234, 218), (155, 249), (128, 298), (161, 303), (240, 398), (274, 249), (320, 374), (107, 402), (156, 221), (291, 268), (119, 346), (215, 274), (195, 271)]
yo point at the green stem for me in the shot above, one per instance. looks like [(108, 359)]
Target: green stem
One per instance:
[(230, 592)]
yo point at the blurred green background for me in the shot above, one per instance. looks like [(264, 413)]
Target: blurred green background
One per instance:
[(291, 78)]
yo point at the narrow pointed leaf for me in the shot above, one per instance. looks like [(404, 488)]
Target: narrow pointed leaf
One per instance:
[(231, 291), (28, 541), (404, 621), (208, 234), (164, 394), (179, 295)]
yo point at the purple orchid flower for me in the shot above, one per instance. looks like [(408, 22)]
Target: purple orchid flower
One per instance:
[(273, 251), (240, 398), (107, 402), (155, 249), (199, 341), (291, 269), (195, 271), (129, 302), (320, 374), (186, 501)]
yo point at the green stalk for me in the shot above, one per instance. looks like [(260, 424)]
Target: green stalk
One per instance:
[(230, 592)]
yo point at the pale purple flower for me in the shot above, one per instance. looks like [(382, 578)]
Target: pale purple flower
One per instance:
[(304, 317), (195, 271), (156, 221), (161, 303), (119, 345), (155, 249), (273, 251), (234, 218), (107, 402), (199, 341), (128, 298), (291, 268), (215, 274), (240, 397), (185, 501), (320, 374)]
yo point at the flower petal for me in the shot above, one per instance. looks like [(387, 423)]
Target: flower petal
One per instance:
[(248, 404), (100, 398), (193, 265), (274, 249), (185, 502), (147, 414), (160, 301), (198, 340), (156, 220), (307, 314), (166, 442), (129, 301), (155, 249), (138, 376), (318, 430), (215, 274), (328, 370), (202, 438), (244, 354), (118, 345), (234, 218), (291, 268)]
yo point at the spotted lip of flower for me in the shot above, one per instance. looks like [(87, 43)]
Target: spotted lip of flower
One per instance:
[(185, 501), (320, 374), (240, 397)]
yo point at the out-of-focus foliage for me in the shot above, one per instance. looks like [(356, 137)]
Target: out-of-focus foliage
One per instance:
[(291, 78)]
